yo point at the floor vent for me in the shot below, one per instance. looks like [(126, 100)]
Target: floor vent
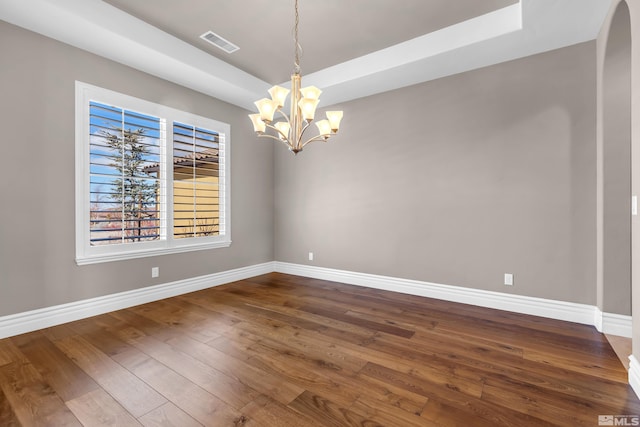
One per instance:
[(219, 42)]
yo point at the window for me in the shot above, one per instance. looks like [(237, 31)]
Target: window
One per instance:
[(150, 179)]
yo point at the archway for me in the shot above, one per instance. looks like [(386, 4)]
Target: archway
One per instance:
[(616, 158)]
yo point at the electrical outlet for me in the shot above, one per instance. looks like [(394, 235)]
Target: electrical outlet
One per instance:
[(310, 256), (155, 271), (508, 279)]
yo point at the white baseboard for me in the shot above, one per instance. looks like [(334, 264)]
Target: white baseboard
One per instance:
[(580, 313), (613, 324), (634, 374), (46, 317), (597, 319), (561, 310)]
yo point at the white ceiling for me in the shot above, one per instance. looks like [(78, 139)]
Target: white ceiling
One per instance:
[(352, 48)]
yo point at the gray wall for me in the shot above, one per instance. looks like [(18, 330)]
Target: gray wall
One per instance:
[(457, 181), (37, 267), (616, 171)]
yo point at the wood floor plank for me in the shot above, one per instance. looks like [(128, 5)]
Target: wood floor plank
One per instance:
[(302, 345), (265, 412), (55, 333), (121, 342), (446, 415), (500, 415), (425, 346), (604, 367), (247, 309), (332, 312), (550, 401), (93, 324), (98, 408), (476, 344), (527, 401), (434, 369), (144, 324), (192, 399), (487, 363), (331, 379), (291, 369), (388, 395), (118, 350), (187, 320), (330, 413), (359, 321), (305, 341), (408, 304), (132, 393), (376, 412), (185, 397), (64, 376), (9, 353), (32, 400), (526, 338), (216, 321), (228, 389), (622, 347), (8, 417), (261, 381), (168, 415)]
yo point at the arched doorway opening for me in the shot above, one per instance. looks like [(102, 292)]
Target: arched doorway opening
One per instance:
[(616, 170)]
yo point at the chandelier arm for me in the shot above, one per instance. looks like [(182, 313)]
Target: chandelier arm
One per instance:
[(265, 135), (299, 137), (279, 110), (304, 128), (286, 137), (316, 138)]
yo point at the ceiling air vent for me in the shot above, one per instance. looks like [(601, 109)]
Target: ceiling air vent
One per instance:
[(219, 42)]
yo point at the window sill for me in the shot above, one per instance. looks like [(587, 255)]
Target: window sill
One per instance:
[(123, 256)]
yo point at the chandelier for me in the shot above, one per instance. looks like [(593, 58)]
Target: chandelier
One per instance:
[(304, 101)]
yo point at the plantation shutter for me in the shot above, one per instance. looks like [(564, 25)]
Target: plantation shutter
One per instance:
[(125, 175), (198, 180)]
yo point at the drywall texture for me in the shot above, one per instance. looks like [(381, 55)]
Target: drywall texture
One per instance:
[(457, 181), (37, 267)]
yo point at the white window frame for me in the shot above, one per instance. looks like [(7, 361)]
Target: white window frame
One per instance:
[(87, 254)]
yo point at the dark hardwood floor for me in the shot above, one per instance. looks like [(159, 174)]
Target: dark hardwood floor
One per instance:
[(280, 350)]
